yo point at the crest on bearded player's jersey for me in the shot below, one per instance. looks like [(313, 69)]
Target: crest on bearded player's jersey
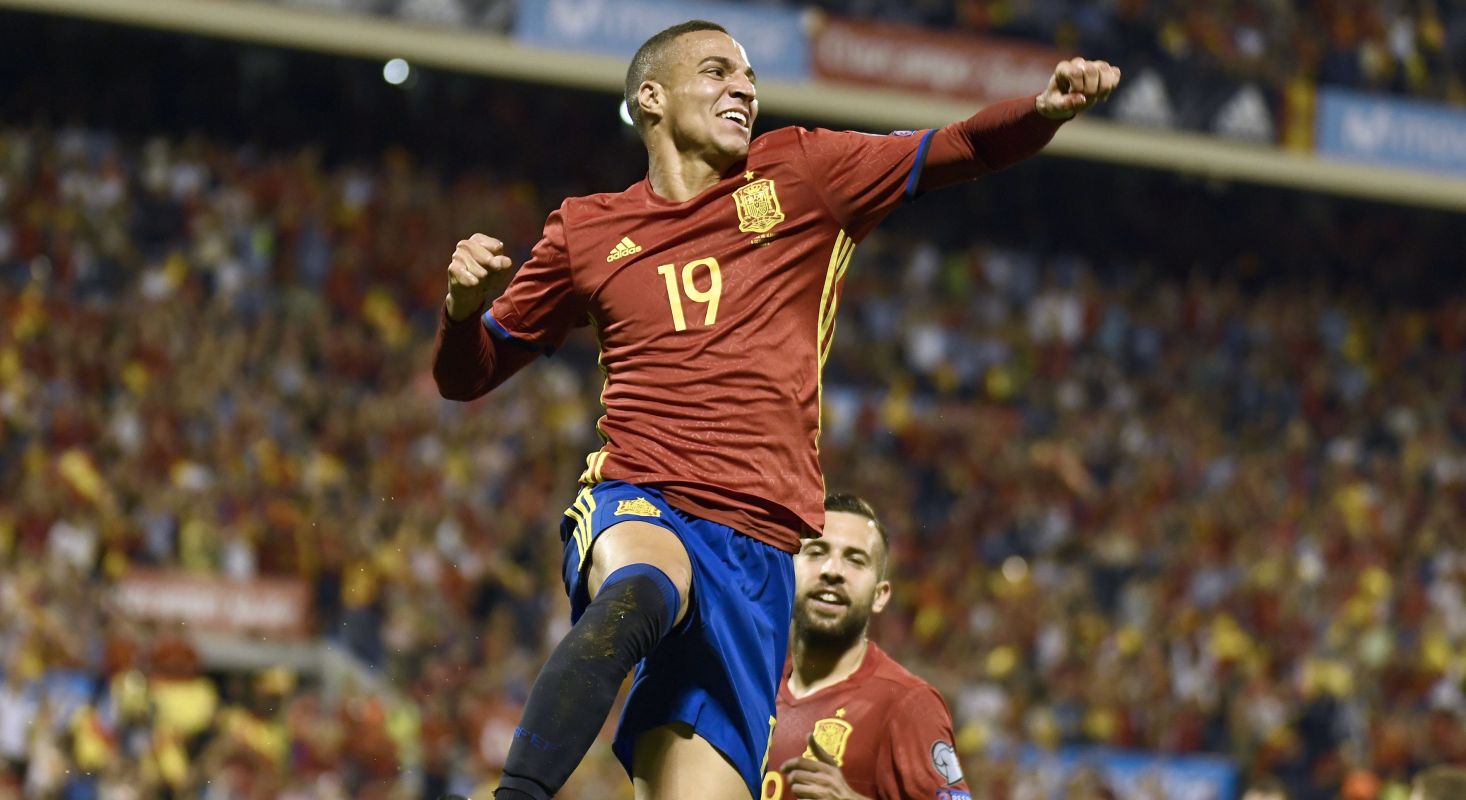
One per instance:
[(758, 206), (831, 735)]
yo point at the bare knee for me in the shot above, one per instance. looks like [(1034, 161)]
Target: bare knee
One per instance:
[(627, 543)]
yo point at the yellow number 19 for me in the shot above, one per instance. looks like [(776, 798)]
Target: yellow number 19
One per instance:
[(689, 287)]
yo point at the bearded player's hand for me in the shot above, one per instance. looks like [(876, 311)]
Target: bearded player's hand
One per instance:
[(818, 778), (479, 269), (1077, 85)]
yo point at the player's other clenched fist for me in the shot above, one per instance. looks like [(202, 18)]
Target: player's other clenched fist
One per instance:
[(1077, 84), (479, 269)]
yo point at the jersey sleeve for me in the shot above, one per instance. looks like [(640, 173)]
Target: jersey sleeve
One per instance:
[(862, 176), (540, 305), (918, 760)]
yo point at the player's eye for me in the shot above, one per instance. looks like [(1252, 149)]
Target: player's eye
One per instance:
[(716, 72)]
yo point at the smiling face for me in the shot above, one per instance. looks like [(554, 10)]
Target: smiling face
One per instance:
[(837, 582), (703, 97)]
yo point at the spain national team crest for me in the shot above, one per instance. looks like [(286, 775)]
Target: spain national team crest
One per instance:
[(831, 735), (758, 206), (637, 507)]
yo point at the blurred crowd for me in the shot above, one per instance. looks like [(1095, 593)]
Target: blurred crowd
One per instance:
[(1179, 496), (494, 15), (216, 361), (1181, 517), (1414, 47), (1409, 47), (95, 705)]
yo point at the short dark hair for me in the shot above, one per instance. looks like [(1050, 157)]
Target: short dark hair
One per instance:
[(1441, 783), (855, 504), (648, 60)]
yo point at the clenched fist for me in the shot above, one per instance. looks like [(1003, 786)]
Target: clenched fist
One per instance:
[(1077, 84), (479, 269)]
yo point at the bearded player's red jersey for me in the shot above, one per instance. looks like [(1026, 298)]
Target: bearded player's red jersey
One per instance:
[(715, 315), (889, 731)]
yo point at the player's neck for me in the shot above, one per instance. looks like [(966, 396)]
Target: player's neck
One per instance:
[(816, 668), (680, 176)]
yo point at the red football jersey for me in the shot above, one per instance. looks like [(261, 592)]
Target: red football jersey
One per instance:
[(715, 317), (890, 732)]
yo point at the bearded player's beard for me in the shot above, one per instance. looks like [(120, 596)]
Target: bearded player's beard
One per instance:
[(830, 634)]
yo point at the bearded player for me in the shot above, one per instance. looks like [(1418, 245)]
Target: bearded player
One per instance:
[(854, 724), (712, 287)]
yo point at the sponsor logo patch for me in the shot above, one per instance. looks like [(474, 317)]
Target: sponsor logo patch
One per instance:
[(953, 794), (903, 133), (944, 761), (637, 507)]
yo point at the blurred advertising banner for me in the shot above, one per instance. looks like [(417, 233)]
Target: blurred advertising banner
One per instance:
[(1129, 773), (279, 607), (774, 37), (1354, 126), (931, 62)]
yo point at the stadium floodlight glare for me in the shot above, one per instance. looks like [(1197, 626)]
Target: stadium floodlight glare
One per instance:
[(1015, 568), (625, 114), (396, 71)]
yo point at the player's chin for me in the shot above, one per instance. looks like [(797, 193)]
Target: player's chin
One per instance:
[(823, 622), (733, 144), (829, 632)]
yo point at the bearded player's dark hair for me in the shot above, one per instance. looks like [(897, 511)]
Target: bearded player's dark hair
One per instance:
[(650, 60), (854, 504)]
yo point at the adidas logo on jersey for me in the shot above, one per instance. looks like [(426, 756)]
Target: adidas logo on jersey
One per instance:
[(623, 248)]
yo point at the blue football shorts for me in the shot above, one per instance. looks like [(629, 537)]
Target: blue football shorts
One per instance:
[(718, 670)]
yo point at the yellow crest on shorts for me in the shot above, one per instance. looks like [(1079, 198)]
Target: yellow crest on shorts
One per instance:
[(637, 507), (758, 206), (831, 734)]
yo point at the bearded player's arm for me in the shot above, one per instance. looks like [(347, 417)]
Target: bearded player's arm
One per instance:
[(475, 352), (917, 760)]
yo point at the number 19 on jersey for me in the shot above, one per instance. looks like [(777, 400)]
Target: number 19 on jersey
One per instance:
[(708, 297)]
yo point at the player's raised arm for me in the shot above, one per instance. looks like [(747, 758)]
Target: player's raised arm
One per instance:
[(862, 178), (1007, 132), (479, 268), (477, 349), (467, 360)]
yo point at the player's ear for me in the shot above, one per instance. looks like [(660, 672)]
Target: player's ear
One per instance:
[(651, 98), (883, 596)]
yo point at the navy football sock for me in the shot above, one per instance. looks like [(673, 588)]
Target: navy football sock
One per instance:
[(506, 790), (574, 692)]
